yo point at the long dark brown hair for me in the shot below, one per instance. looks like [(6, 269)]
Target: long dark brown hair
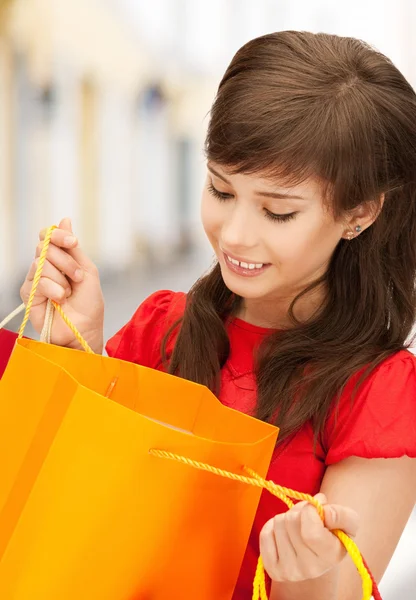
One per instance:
[(294, 105)]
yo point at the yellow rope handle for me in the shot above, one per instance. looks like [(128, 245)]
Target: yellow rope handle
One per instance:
[(285, 494), (36, 280)]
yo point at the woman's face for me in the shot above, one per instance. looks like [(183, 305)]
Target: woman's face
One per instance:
[(270, 241)]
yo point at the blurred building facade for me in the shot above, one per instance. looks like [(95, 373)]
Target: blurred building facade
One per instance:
[(91, 129)]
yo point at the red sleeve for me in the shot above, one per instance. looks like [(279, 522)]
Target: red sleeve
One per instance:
[(7, 340), (140, 340), (380, 422)]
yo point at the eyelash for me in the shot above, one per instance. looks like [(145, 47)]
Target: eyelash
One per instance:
[(269, 215)]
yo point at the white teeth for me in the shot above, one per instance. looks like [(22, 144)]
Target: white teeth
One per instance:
[(245, 265)]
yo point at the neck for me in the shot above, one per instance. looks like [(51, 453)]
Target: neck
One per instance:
[(274, 312)]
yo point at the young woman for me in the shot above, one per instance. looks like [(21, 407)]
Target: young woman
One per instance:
[(304, 320)]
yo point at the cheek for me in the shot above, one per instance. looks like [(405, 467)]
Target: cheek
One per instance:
[(321, 246), (210, 216), (308, 243)]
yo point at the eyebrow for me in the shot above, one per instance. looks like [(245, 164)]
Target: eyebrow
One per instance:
[(278, 195)]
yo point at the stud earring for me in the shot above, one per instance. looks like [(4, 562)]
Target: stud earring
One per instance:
[(358, 229), (350, 235)]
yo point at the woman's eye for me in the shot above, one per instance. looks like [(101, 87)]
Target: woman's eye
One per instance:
[(280, 218), (217, 194), (222, 196)]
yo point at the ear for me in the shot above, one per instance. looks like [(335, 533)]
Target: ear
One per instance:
[(362, 217)]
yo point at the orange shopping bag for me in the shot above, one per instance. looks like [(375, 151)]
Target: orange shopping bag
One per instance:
[(89, 506), (87, 511)]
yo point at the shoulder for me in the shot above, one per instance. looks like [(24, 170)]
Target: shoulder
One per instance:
[(396, 365), (376, 413), (393, 377), (141, 338), (163, 304), (392, 380)]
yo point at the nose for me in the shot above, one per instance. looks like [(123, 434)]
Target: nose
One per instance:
[(239, 231)]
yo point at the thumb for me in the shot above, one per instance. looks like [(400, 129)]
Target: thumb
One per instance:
[(66, 224), (321, 498), (341, 517)]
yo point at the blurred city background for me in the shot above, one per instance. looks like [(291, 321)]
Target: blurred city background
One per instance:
[(103, 111)]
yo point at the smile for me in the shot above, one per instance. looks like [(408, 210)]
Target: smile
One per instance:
[(244, 268)]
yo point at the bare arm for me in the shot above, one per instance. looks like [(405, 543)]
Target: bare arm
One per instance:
[(383, 493)]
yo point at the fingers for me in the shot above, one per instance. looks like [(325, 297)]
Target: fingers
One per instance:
[(64, 238), (298, 545), (65, 225), (307, 531), (53, 284), (286, 556), (293, 526), (314, 533), (269, 551), (342, 517), (50, 272), (47, 288), (63, 262), (286, 550)]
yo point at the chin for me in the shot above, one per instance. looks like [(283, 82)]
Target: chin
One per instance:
[(249, 289)]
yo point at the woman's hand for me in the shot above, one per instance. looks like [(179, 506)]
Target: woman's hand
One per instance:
[(297, 545), (71, 279)]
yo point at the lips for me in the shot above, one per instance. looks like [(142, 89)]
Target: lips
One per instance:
[(243, 262), (243, 268)]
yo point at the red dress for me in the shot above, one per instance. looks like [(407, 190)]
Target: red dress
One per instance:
[(381, 422)]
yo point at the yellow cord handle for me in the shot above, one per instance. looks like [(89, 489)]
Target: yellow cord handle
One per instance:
[(285, 494), (36, 279)]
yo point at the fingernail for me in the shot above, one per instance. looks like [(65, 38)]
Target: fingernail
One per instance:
[(79, 274), (68, 292), (70, 240), (333, 514)]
